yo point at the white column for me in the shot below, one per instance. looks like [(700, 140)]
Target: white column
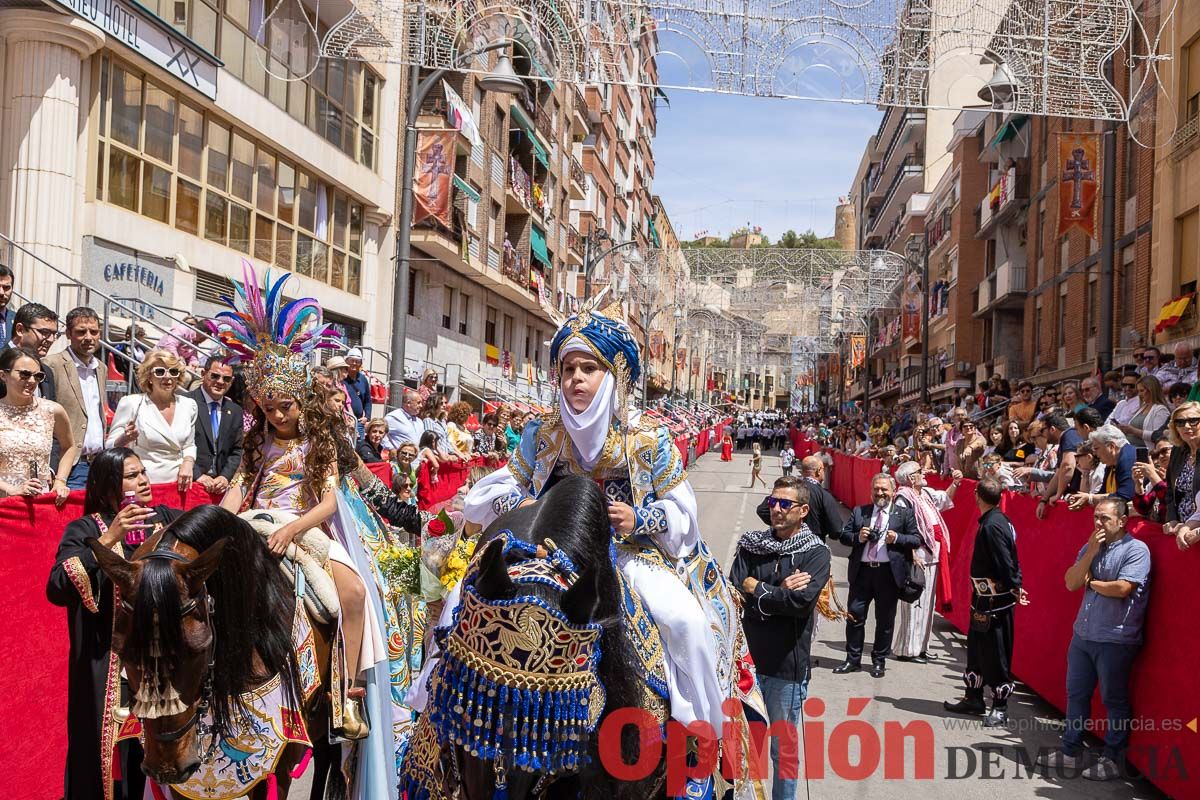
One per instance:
[(41, 133)]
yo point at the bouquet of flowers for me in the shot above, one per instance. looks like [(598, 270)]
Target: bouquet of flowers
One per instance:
[(445, 553), (401, 567)]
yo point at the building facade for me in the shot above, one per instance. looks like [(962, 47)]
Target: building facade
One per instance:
[(146, 149)]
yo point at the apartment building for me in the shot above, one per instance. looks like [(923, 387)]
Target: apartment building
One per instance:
[(147, 148), (1176, 174), (533, 175)]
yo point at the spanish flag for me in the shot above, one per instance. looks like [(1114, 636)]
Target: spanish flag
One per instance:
[(492, 353), (1171, 312)]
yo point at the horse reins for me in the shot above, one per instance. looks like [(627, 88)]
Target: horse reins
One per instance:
[(187, 609)]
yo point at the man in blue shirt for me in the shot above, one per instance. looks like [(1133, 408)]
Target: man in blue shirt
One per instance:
[(358, 388), (1113, 569)]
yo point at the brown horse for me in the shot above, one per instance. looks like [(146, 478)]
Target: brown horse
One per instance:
[(206, 616)]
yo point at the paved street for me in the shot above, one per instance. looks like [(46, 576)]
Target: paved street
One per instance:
[(985, 760)]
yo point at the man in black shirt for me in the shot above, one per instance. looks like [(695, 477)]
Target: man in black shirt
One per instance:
[(996, 591), (781, 572)]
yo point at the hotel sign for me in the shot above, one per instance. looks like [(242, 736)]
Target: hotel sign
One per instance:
[(152, 38)]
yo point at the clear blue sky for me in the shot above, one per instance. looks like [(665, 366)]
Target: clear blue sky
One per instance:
[(724, 160)]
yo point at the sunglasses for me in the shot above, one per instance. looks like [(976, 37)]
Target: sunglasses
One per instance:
[(25, 375), (45, 333), (215, 378), (166, 372), (781, 502), (1189, 421), (1128, 385)]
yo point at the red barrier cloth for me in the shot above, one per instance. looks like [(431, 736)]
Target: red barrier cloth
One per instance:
[(841, 479), (681, 444), (383, 471), (34, 644)]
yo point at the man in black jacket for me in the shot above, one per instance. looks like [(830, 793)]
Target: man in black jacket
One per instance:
[(881, 537), (823, 517), (996, 591), (218, 428), (781, 572)]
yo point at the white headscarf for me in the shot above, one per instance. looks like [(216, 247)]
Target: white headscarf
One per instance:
[(588, 429)]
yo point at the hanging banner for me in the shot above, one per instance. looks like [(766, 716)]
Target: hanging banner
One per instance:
[(910, 304), (431, 184), (1078, 182), (460, 116), (858, 351)]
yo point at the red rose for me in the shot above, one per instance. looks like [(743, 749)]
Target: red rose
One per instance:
[(436, 527)]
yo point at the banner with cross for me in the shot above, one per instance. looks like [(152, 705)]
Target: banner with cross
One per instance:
[(1078, 182)]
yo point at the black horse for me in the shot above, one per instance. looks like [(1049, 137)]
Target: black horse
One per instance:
[(206, 609), (573, 516)]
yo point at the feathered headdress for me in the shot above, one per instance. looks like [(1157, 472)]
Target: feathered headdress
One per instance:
[(274, 339)]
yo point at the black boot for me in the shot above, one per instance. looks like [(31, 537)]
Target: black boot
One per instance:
[(971, 704), (847, 666)]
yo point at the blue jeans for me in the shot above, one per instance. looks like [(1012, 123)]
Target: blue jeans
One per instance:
[(784, 699), (1111, 664), (79, 474)]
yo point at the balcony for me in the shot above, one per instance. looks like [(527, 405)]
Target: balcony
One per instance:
[(577, 185), (434, 114), (519, 194), (1007, 195), (909, 122), (579, 117), (574, 246), (1003, 289), (910, 167), (544, 124)]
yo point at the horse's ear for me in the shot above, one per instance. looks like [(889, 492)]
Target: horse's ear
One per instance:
[(582, 600), (493, 582), (121, 572), (205, 564)]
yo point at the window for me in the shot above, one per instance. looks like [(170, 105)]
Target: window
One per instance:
[(447, 306), (489, 327), (339, 100), (509, 326), (1061, 333), (174, 164), (1037, 334), (412, 292), (464, 312), (1191, 92), (1187, 248), (1128, 270), (1093, 305)]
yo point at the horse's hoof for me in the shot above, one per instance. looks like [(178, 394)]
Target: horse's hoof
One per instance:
[(354, 726)]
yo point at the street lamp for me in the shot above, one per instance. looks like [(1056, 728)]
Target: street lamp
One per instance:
[(503, 79), (918, 256)]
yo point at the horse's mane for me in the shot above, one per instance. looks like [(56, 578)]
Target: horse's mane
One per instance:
[(253, 614), (574, 513)]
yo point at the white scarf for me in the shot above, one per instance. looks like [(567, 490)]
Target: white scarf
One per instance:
[(588, 429)]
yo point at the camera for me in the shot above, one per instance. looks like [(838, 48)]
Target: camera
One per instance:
[(875, 535)]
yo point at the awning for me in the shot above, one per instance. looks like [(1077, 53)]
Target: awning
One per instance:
[(467, 189), (537, 245), (520, 116), (1009, 129), (653, 232)]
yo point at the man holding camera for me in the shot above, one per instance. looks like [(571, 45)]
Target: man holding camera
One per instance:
[(882, 537)]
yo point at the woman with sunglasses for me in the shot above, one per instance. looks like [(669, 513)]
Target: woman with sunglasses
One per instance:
[(29, 425), (79, 585), (158, 425), (1183, 431)]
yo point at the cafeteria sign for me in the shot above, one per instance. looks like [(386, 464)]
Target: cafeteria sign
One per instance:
[(142, 282)]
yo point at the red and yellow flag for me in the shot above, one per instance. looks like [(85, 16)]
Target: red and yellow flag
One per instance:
[(1078, 182), (1171, 312)]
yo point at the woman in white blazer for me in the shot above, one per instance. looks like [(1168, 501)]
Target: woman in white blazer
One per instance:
[(159, 425)]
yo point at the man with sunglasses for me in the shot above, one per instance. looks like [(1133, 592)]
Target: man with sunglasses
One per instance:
[(35, 328), (218, 428), (781, 572), (1023, 407), (81, 376), (1095, 397)]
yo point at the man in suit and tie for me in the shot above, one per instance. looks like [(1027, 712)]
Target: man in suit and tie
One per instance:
[(35, 328), (218, 428), (881, 537), (80, 378), (7, 312)]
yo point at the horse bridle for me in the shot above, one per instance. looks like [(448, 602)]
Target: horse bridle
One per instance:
[(210, 654)]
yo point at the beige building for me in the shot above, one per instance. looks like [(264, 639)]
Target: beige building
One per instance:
[(146, 149)]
